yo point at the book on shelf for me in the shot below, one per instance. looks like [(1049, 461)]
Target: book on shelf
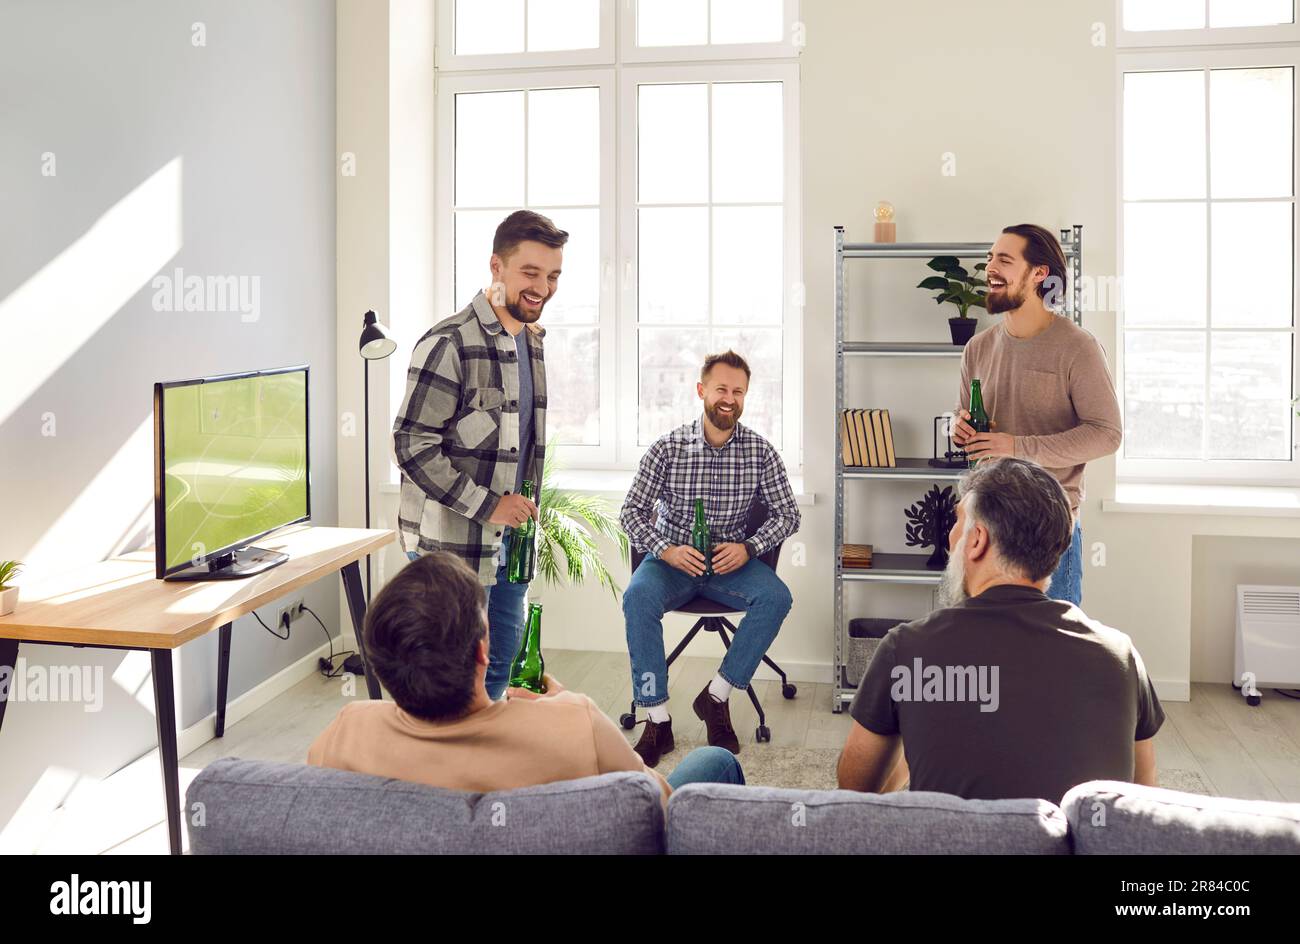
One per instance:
[(863, 423), (889, 438), (848, 445), (856, 555), (867, 439)]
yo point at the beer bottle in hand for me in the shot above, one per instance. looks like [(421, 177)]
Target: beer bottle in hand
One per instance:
[(529, 668), (979, 417), (700, 538), (523, 545)]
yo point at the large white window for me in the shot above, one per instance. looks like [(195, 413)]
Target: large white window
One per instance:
[(678, 184), (1208, 354)]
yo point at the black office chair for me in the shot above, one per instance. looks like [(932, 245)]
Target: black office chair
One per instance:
[(712, 620)]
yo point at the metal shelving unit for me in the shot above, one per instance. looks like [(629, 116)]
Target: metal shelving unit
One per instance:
[(901, 568)]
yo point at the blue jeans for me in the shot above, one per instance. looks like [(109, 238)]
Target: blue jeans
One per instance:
[(707, 765), (656, 588), (506, 606), (1067, 582)]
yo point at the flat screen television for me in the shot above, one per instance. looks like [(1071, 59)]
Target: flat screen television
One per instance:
[(230, 466)]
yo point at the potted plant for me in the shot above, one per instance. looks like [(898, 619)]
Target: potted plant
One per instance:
[(964, 289), (8, 594), (567, 526)]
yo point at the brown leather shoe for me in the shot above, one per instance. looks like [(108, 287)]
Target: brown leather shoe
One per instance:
[(656, 741), (716, 716)]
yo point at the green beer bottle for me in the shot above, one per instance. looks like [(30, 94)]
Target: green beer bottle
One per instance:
[(523, 544), (700, 538), (529, 668), (979, 417)]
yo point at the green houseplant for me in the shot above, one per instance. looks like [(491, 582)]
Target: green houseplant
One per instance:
[(568, 525), (8, 593), (958, 287)]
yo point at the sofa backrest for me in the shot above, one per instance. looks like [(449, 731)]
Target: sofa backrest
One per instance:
[(1111, 818), (258, 807), (717, 818)]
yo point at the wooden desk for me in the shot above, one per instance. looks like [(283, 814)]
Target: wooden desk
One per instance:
[(119, 604)]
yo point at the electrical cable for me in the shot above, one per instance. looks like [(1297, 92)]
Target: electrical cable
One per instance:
[(270, 630), (333, 673)]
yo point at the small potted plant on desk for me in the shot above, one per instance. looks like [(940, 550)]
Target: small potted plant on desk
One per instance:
[(8, 593), (961, 288)]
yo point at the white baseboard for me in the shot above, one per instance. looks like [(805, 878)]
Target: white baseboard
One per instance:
[(810, 673), (203, 731)]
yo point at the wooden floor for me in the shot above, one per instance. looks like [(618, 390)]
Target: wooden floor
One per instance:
[(1236, 750)]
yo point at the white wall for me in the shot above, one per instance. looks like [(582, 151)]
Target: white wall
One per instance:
[(385, 231), (218, 159)]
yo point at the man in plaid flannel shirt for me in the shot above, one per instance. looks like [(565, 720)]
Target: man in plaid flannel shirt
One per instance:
[(731, 467), (472, 426)]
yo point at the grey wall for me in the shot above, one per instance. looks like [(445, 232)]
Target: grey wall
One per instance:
[(118, 92)]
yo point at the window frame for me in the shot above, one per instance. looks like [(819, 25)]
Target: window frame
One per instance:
[(446, 58), (632, 53), (1286, 33), (602, 455), (1256, 472)]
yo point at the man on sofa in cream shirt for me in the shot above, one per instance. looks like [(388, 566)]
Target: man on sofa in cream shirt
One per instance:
[(427, 642)]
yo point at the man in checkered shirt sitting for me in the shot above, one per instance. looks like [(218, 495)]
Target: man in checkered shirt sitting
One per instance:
[(730, 467)]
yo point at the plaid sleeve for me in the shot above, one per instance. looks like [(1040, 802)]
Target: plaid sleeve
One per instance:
[(637, 515), (433, 386), (783, 515)]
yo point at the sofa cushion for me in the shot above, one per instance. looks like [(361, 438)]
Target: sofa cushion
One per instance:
[(251, 806), (1111, 818), (716, 818)]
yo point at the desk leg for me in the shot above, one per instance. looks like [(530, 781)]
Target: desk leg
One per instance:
[(165, 711), (8, 666), (223, 676), (357, 605)]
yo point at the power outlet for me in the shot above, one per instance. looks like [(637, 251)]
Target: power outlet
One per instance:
[(289, 612)]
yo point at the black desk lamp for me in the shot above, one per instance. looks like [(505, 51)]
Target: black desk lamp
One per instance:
[(375, 346)]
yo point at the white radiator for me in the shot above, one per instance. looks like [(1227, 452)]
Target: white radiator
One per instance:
[(1268, 638)]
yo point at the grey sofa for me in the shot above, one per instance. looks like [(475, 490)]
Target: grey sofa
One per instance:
[(258, 807)]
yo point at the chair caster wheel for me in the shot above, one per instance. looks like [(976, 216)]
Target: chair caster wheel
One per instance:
[(627, 720), (1252, 700), (763, 734), (788, 690)]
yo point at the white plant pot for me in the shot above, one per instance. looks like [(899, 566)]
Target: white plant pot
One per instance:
[(8, 601)]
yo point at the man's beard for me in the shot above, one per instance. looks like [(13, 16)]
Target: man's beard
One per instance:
[(952, 586), (522, 314), (722, 420), (1009, 299)]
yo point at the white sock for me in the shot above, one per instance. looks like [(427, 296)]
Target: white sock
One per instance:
[(658, 713), (720, 688)]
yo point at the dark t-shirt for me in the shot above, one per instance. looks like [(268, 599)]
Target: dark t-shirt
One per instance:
[(1009, 694), (525, 413)]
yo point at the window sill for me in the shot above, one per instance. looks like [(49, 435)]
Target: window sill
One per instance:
[(1237, 500), (615, 482)]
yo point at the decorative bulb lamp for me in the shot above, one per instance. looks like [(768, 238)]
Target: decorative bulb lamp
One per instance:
[(885, 229)]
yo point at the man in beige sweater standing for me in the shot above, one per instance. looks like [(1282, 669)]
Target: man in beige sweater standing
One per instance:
[(1045, 382)]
